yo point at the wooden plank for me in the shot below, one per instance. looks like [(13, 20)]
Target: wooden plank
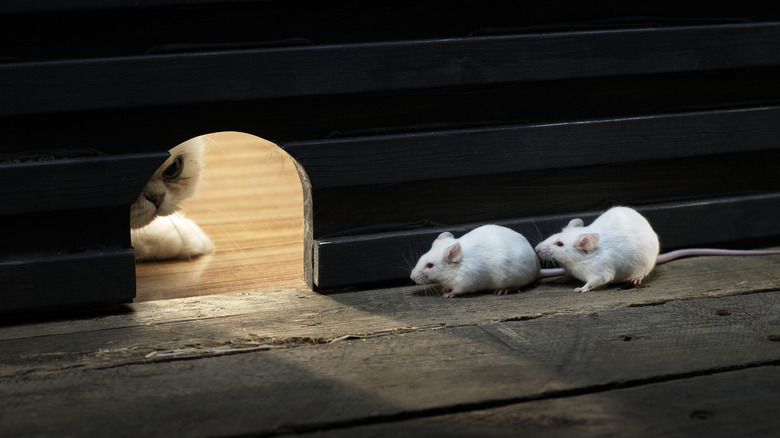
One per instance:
[(683, 11), (390, 377), (74, 183), (388, 257), (440, 154), (159, 128), (454, 201), (16, 6), (35, 281), (70, 236), (303, 71), (253, 318), (738, 403), (65, 232)]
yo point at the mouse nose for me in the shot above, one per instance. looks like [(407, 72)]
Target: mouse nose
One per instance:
[(156, 199)]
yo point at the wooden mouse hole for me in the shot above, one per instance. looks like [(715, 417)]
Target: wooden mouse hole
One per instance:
[(250, 203)]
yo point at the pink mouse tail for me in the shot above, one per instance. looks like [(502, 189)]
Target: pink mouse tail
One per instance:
[(557, 272), (680, 253)]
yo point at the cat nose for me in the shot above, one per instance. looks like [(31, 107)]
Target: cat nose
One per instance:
[(156, 199)]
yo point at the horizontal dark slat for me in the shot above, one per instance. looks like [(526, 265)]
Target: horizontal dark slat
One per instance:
[(351, 68), (455, 200), (65, 231), (71, 184), (386, 257), (91, 277), (440, 154), (16, 6), (134, 130)]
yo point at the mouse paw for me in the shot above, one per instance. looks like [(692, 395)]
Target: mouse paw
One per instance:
[(581, 290), (501, 291), (636, 281), (448, 293)]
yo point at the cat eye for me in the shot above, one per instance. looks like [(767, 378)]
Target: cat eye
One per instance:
[(174, 170)]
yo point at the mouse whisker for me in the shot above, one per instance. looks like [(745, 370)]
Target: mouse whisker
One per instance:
[(539, 234), (431, 290)]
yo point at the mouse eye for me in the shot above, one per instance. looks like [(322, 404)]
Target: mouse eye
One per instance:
[(559, 243), (174, 170), (429, 265)]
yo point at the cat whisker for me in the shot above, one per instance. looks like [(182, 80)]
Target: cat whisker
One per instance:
[(232, 218), (137, 234), (224, 231), (177, 177)]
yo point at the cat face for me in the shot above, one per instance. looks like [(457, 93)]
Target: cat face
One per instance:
[(173, 182)]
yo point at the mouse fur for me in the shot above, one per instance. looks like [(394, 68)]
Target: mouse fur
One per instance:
[(619, 246), (490, 257)]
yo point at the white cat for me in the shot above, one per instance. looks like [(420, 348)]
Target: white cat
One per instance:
[(158, 232)]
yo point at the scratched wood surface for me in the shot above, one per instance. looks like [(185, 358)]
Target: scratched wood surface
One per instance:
[(695, 352), (250, 202)]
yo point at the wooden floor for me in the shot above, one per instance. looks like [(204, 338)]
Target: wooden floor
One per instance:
[(250, 202), (248, 350)]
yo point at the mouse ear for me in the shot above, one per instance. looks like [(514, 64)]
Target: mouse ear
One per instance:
[(576, 222), (454, 253), (587, 242), (444, 235)]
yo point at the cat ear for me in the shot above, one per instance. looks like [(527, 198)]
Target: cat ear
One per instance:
[(454, 253), (574, 223), (587, 242)]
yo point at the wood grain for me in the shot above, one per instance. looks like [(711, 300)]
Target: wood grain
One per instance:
[(740, 403), (388, 378), (698, 341), (250, 203), (206, 326)]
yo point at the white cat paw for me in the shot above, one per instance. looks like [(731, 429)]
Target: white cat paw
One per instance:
[(170, 237)]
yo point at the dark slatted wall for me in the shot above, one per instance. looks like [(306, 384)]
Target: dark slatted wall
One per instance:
[(406, 118)]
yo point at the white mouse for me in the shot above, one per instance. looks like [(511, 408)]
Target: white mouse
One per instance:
[(619, 246), (490, 257)]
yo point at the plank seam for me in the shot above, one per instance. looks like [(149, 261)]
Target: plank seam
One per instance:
[(192, 351), (498, 403)]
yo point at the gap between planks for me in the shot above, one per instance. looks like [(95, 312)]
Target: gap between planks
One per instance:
[(651, 408)]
